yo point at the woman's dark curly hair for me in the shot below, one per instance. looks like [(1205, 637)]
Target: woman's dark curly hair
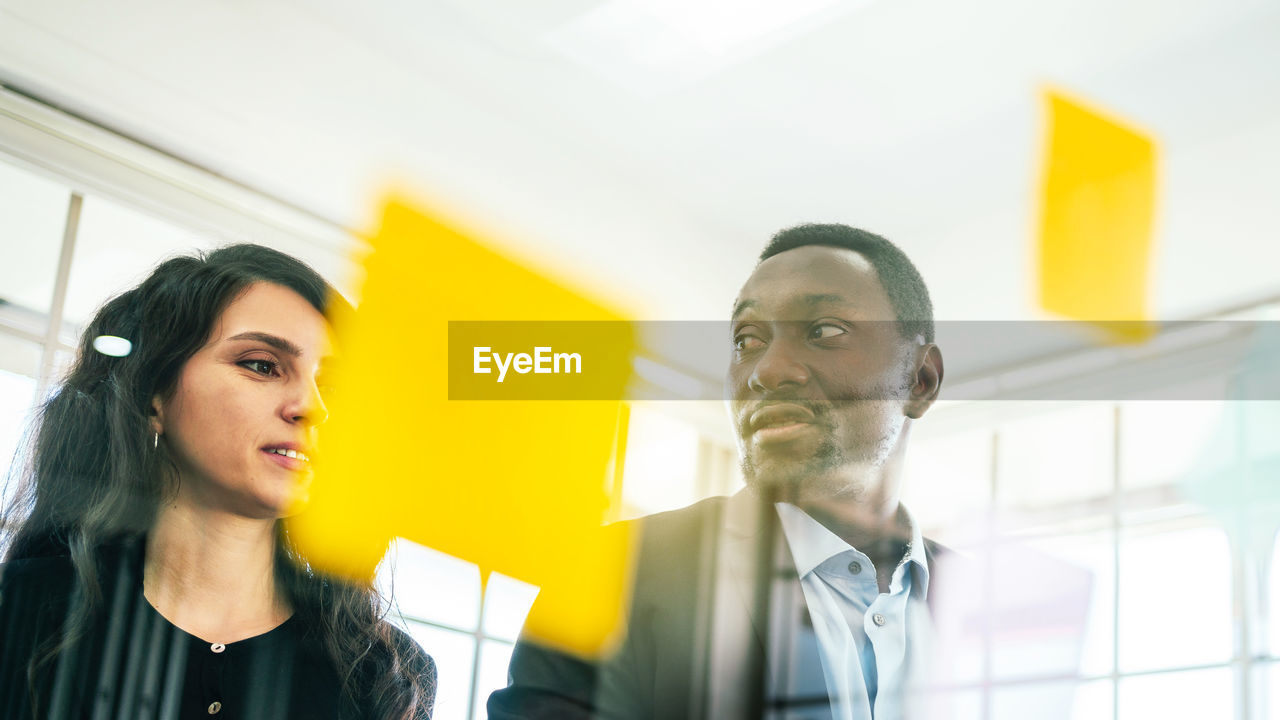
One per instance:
[(92, 478)]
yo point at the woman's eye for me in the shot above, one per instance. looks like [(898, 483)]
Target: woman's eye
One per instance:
[(825, 331), (262, 367), (746, 342)]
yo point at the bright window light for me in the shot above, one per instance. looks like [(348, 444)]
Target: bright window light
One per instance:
[(1056, 457), (649, 44), (1193, 695), (662, 458), (1168, 579), (454, 654), (415, 573)]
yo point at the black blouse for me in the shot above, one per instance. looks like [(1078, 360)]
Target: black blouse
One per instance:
[(134, 663)]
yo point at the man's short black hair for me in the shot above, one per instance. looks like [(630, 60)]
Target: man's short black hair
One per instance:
[(899, 277)]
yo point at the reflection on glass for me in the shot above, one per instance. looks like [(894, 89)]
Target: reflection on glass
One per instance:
[(947, 705), (1273, 607), (1164, 440), (1066, 700), (1192, 695), (506, 603), (429, 585), (662, 457), (948, 482), (1175, 598), (958, 587), (1261, 428), (1056, 457), (454, 653), (494, 658), (33, 216), (1067, 617), (1266, 691)]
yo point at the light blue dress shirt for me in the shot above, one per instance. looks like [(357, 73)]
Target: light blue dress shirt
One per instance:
[(872, 644)]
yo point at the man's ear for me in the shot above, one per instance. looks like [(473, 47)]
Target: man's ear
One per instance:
[(927, 381)]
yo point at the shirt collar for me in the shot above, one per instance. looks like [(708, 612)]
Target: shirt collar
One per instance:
[(812, 543)]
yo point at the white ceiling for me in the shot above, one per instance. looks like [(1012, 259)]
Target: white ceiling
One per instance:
[(917, 119)]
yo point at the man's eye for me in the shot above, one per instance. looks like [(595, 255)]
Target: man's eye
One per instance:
[(262, 367), (747, 342), (825, 331)]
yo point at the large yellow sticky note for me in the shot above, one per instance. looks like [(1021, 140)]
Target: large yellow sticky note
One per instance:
[(1097, 213), (516, 486)]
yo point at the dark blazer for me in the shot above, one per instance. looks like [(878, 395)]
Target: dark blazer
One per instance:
[(697, 624)]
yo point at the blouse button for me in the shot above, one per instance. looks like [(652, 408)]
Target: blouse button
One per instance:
[(214, 707), (216, 647)]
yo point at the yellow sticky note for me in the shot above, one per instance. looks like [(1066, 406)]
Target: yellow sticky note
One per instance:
[(1098, 202), (516, 486)]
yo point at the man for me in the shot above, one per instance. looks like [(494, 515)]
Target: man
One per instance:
[(806, 594)]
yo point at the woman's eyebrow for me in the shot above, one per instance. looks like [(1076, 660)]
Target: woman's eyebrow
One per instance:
[(274, 341)]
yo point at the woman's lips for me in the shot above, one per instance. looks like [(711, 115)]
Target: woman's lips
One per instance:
[(285, 462)]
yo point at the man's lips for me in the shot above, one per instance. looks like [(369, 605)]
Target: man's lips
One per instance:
[(781, 433), (779, 420)]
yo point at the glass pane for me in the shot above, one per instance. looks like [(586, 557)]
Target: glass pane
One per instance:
[(958, 601), (506, 603), (33, 217), (1261, 429), (1251, 484), (1164, 441), (662, 458), (1056, 457), (957, 705), (1053, 701), (454, 653), (948, 482), (1055, 615), (1273, 607), (494, 658), (429, 585), (1175, 598), (115, 249), (1193, 695), (1266, 691)]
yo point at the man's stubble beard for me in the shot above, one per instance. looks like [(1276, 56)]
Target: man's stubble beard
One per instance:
[(829, 472), (816, 474)]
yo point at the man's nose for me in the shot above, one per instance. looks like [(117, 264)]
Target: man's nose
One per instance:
[(779, 366)]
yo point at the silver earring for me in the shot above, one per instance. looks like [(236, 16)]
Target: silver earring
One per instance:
[(156, 442)]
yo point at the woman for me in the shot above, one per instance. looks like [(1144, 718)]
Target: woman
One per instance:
[(147, 572)]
